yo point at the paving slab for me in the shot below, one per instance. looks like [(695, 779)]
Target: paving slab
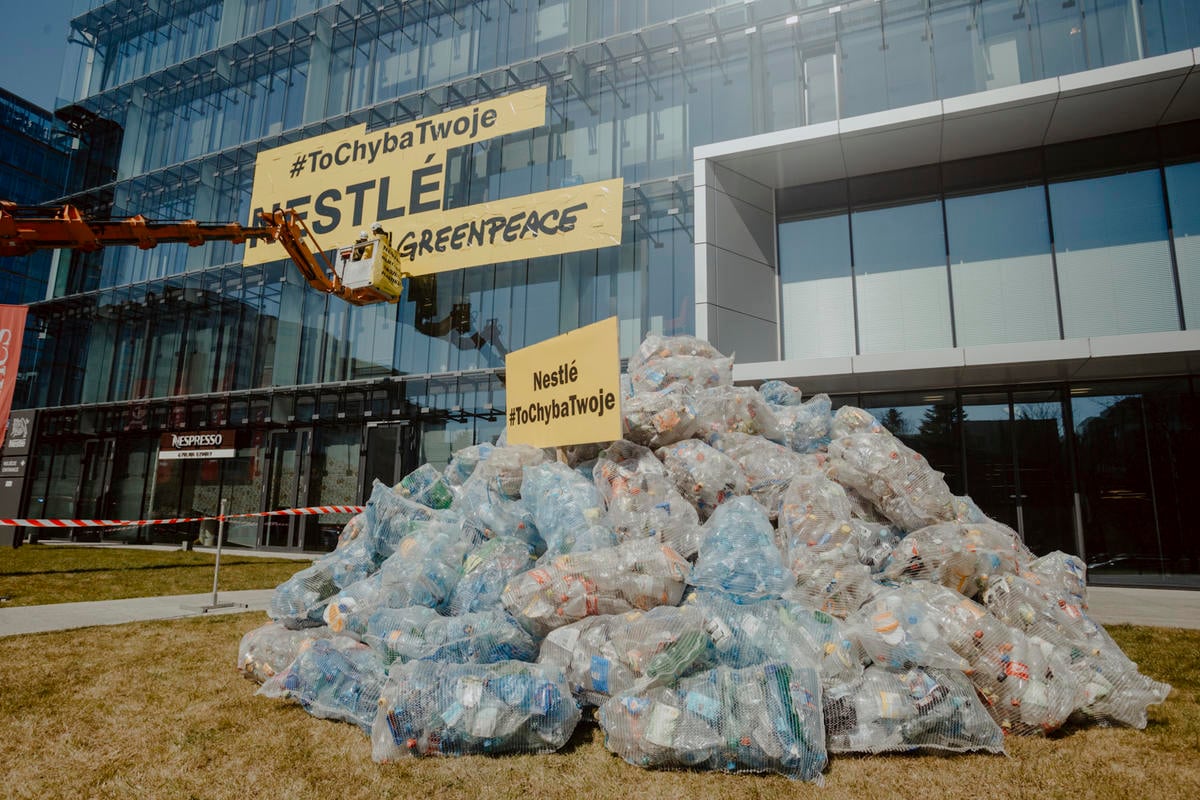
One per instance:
[(1163, 608), (67, 616)]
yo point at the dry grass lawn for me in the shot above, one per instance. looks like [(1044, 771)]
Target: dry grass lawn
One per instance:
[(40, 574), (157, 710)]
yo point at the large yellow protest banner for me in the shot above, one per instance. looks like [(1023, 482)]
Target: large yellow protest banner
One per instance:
[(341, 182), (566, 390)]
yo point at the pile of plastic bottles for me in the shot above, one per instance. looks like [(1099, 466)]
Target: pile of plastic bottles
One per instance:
[(746, 582)]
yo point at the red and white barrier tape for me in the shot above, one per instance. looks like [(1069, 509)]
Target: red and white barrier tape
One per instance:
[(118, 523)]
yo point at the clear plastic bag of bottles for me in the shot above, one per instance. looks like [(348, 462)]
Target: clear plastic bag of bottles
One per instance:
[(491, 514), (504, 468), (300, 601), (426, 486), (704, 475), (893, 477), (780, 393), (1115, 692), (738, 555), (805, 427), (337, 678), (606, 655), (758, 719), (692, 372), (916, 709), (640, 573), (899, 629), (782, 630), (655, 419), (736, 409), (838, 589), (656, 347), (566, 507), (769, 468), (486, 571), (268, 649), (642, 499), (423, 571), (421, 634), (1026, 681), (964, 557), (429, 709)]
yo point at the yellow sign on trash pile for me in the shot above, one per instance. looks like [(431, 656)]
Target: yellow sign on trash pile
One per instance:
[(566, 390)]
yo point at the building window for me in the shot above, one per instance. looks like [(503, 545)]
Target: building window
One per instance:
[(1114, 262)]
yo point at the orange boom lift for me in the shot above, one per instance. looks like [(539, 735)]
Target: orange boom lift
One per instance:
[(24, 229)]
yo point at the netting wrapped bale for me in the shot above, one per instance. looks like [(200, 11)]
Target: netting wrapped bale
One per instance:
[(899, 629), (655, 419), (1063, 575), (805, 427), (423, 571), (486, 571), (737, 409), (769, 468), (606, 655), (1114, 691), (759, 719), (389, 518), (778, 630), (838, 589), (300, 601), (780, 393), (463, 463), (417, 633), (640, 573), (1026, 682), (425, 485), (642, 499), (738, 555), (429, 709), (489, 514), (655, 347), (337, 678), (705, 476), (268, 649), (893, 477), (503, 468), (692, 372), (917, 709), (567, 509), (965, 558)]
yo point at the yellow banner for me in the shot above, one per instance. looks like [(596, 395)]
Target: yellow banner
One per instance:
[(566, 390), (567, 220), (343, 181)]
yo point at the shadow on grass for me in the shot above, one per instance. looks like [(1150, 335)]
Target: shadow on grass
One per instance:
[(225, 562)]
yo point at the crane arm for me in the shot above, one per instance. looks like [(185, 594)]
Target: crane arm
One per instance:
[(24, 229)]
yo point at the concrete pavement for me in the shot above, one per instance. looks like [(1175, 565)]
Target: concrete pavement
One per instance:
[(67, 616), (1166, 608)]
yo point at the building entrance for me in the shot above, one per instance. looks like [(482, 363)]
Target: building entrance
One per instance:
[(288, 464)]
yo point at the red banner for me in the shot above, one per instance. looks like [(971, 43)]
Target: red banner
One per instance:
[(12, 331)]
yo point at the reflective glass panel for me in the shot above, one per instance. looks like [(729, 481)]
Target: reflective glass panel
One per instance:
[(818, 301), (900, 278), (1183, 194), (1114, 263), (1001, 267)]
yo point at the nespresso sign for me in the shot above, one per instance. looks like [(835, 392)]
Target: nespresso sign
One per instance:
[(197, 444)]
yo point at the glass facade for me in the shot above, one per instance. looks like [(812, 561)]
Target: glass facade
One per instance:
[(1095, 469), (1061, 257), (171, 101)]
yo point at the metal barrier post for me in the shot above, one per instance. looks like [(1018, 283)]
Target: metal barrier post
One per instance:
[(217, 563)]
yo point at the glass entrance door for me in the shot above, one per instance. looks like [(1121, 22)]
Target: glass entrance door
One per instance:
[(1016, 464), (289, 455), (95, 479), (391, 453)]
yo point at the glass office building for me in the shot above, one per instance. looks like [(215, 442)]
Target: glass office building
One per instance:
[(976, 218)]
